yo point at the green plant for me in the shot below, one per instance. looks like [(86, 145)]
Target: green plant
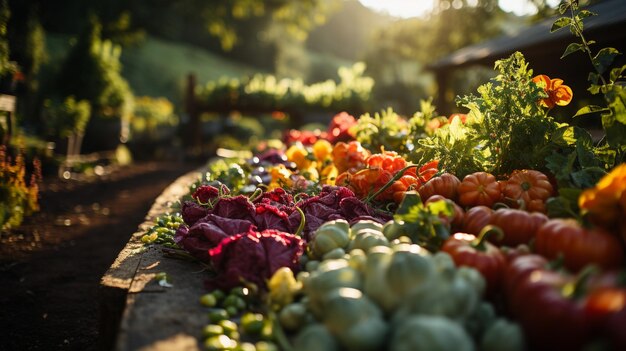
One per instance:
[(604, 79), (92, 72), (506, 128), (18, 198), (6, 67), (266, 93), (64, 118), (150, 115)]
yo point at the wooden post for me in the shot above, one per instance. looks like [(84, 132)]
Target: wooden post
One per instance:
[(7, 104), (441, 102), (194, 132)]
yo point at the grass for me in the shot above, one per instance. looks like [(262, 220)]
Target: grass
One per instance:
[(159, 68)]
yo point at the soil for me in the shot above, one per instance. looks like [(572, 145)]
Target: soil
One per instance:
[(50, 267)]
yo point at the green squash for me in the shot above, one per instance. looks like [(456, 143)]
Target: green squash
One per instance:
[(408, 270), (430, 333), (330, 275), (354, 320), (329, 236), (366, 224), (365, 239), (315, 337), (293, 316), (448, 294), (503, 335)]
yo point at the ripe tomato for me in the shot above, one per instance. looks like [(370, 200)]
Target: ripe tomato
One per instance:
[(579, 246), (468, 250), (530, 187), (479, 188), (476, 218), (537, 299), (519, 226), (445, 185)]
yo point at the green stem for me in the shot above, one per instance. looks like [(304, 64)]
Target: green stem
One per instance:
[(258, 192), (576, 289), (302, 221), (480, 243), (389, 183), (587, 49), (279, 333)]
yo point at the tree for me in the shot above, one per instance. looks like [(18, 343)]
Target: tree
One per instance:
[(91, 72), (417, 42)]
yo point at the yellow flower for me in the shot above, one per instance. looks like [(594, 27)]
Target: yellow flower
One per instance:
[(281, 177), (322, 149), (329, 174), (298, 155)]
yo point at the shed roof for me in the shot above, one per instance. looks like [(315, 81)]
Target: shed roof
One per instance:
[(610, 22)]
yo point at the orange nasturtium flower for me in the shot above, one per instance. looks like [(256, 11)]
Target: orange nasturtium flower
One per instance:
[(606, 202), (558, 93)]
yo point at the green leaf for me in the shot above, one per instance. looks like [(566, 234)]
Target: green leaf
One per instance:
[(411, 199), (561, 166), (563, 6), (565, 205), (440, 207), (585, 13), (593, 77), (616, 96), (594, 89), (590, 109), (586, 157), (571, 48), (616, 73), (560, 23), (587, 177), (604, 58), (559, 207)]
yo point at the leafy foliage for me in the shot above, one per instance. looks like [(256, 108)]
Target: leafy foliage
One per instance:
[(18, 198), (152, 116), (506, 128), (6, 66), (604, 80), (63, 118), (92, 72), (383, 131), (268, 93)]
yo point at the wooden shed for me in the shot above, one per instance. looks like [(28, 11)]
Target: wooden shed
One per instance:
[(542, 50)]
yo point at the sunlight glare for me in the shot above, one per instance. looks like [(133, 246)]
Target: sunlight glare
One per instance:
[(400, 8), (416, 8)]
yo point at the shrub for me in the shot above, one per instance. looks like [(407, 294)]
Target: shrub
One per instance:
[(152, 117), (64, 118), (18, 198)]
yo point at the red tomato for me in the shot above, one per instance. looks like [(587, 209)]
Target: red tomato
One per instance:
[(519, 226), (479, 188), (445, 185), (476, 218), (551, 319), (530, 187), (578, 245), (468, 250)]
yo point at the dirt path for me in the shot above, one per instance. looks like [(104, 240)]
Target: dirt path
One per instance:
[(50, 268)]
